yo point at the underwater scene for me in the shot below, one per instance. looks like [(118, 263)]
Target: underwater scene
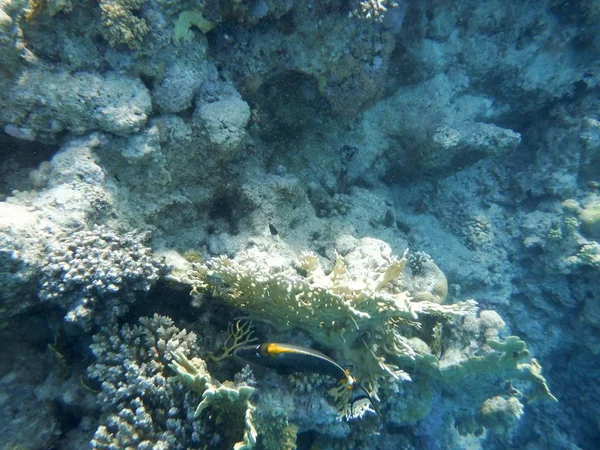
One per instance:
[(299, 224)]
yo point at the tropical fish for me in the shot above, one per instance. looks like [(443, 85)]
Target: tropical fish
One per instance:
[(303, 359)]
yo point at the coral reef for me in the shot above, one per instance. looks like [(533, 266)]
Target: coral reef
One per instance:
[(186, 20), (227, 399), (51, 254), (501, 415), (368, 311), (72, 194), (347, 73), (224, 120), (154, 393), (255, 130)]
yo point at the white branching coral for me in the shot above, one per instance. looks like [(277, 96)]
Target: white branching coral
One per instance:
[(373, 9), (141, 409)]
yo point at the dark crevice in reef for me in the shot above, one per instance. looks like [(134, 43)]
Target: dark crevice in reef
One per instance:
[(17, 158), (305, 440), (167, 299), (148, 81), (26, 153), (222, 212), (288, 105)]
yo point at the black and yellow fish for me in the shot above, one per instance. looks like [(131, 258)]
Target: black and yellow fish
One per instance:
[(302, 359)]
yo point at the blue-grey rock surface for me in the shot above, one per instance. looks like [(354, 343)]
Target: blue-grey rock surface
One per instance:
[(153, 147)]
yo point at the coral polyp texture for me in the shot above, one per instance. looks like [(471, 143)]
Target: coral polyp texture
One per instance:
[(98, 272), (369, 312), (157, 393), (140, 370), (121, 25)]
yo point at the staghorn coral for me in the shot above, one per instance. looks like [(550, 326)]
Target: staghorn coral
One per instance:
[(363, 310)]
